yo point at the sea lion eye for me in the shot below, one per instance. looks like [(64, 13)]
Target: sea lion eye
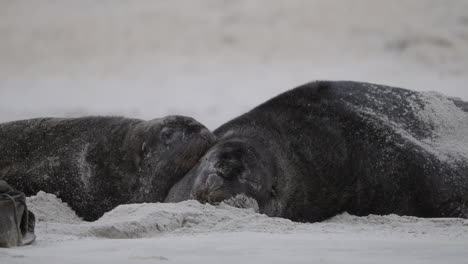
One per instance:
[(229, 168), (167, 134)]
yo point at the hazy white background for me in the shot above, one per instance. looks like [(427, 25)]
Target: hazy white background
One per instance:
[(215, 59)]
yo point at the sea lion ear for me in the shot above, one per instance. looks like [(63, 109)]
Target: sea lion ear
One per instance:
[(143, 147), (138, 157)]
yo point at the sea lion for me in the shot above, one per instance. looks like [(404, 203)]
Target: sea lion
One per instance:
[(97, 163), (329, 147)]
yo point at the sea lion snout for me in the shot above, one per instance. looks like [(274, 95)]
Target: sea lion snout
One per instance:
[(200, 132), (207, 134), (214, 182), (222, 173), (210, 189), (184, 129), (195, 130)]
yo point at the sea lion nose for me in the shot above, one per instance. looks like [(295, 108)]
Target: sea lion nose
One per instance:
[(213, 182), (207, 191)]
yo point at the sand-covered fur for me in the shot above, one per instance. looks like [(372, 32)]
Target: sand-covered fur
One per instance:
[(97, 163)]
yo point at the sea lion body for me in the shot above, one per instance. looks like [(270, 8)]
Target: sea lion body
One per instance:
[(97, 163), (329, 147)]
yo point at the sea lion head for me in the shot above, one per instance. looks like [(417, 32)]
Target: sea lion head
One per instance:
[(162, 151), (229, 168)]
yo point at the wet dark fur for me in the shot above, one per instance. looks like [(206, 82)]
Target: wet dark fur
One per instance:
[(97, 163), (315, 155)]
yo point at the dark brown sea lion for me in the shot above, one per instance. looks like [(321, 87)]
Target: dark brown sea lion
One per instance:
[(329, 147), (97, 163)]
